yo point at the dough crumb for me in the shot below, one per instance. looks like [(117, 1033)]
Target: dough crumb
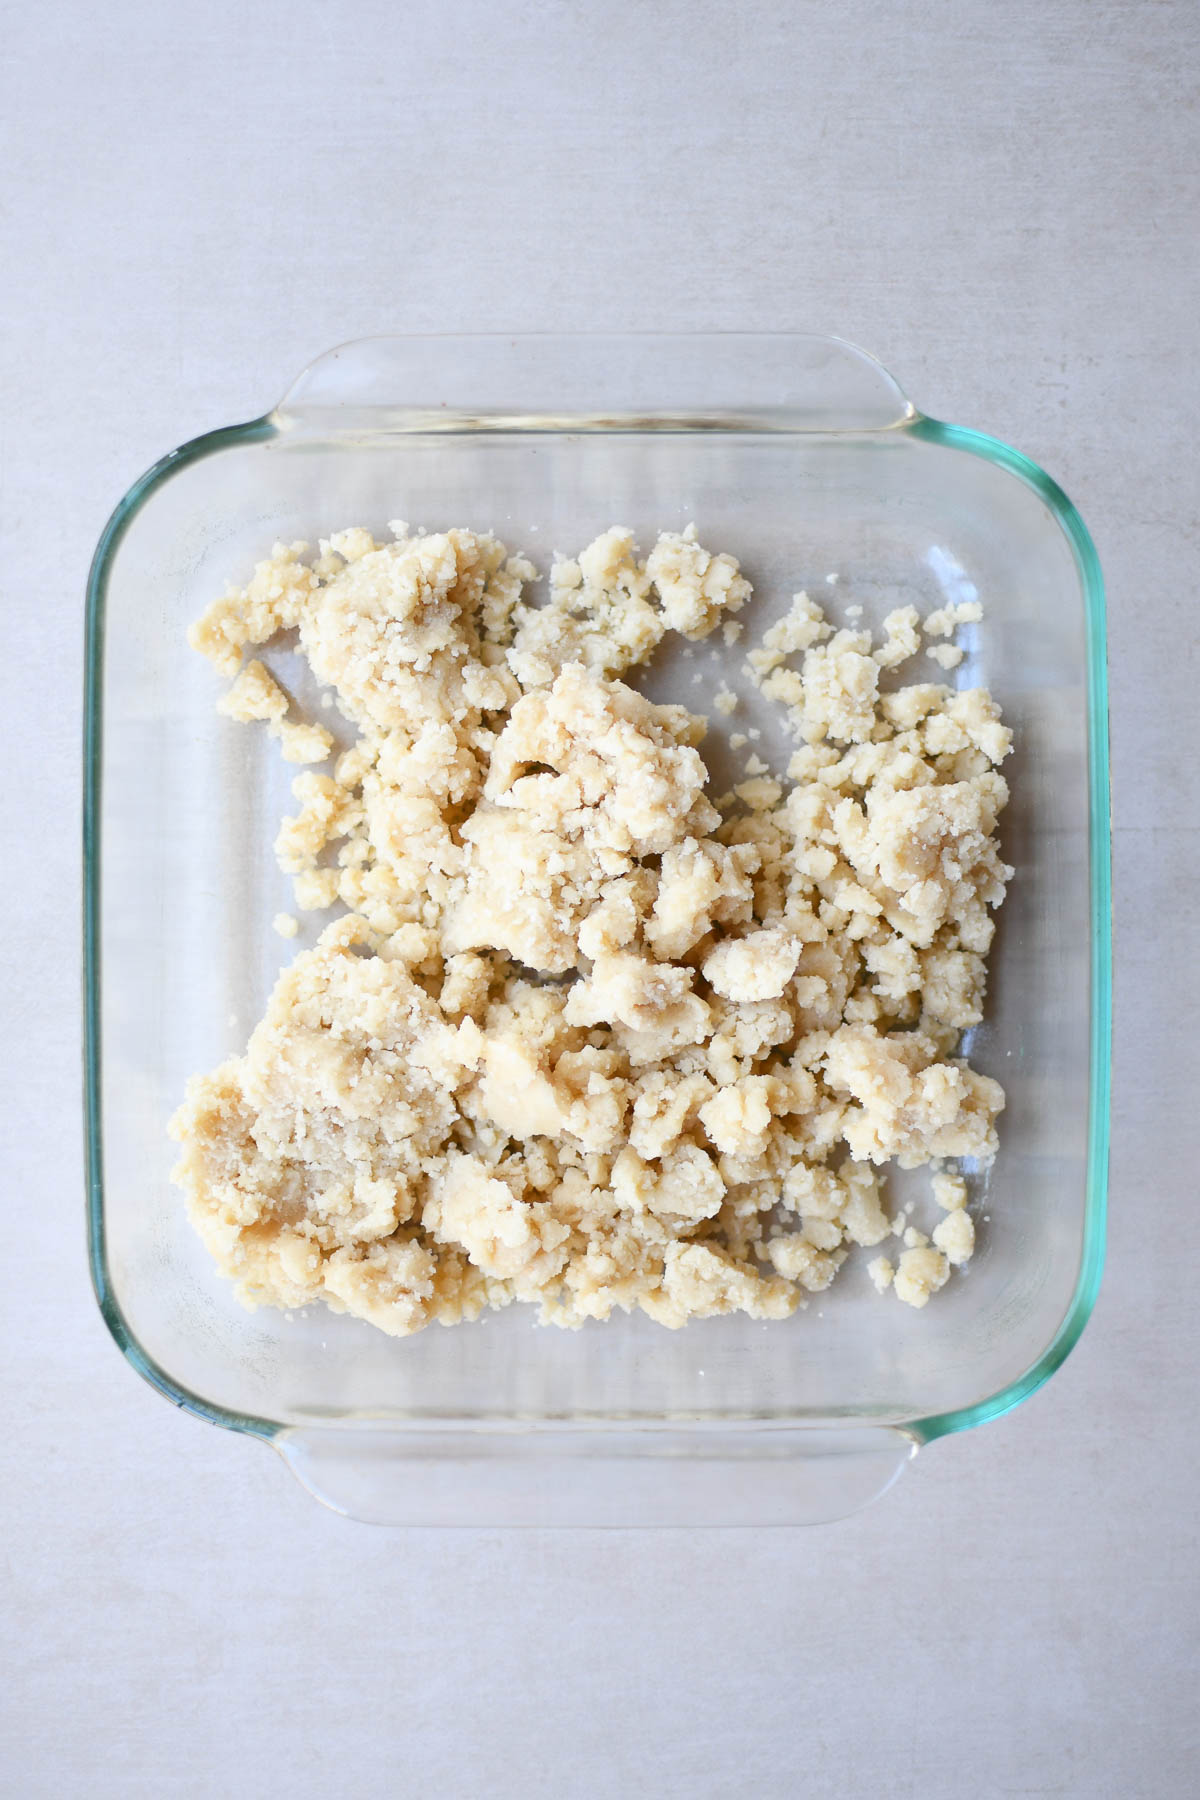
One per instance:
[(882, 1272), (919, 1274), (285, 924), (949, 1191), (946, 619), (255, 695), (955, 1237)]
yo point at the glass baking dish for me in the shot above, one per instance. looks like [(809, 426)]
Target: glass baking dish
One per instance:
[(801, 456)]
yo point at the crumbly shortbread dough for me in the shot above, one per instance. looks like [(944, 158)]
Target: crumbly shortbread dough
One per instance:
[(585, 1038)]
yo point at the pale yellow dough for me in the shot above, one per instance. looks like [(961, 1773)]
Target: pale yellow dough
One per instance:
[(586, 1039)]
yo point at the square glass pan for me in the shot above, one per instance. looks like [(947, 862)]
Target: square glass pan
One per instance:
[(801, 456)]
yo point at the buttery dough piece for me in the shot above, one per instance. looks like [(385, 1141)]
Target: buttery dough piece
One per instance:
[(585, 1039), (756, 967), (607, 611), (950, 1191), (305, 1160), (254, 695), (882, 1272), (955, 1236), (919, 1274)]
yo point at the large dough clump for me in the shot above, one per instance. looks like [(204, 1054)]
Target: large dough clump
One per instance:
[(586, 1039)]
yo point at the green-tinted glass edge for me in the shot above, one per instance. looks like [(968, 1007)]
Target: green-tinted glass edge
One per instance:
[(1091, 1264), (1092, 1258), (93, 706)]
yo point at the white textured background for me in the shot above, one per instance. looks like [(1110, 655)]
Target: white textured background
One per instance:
[(1000, 198)]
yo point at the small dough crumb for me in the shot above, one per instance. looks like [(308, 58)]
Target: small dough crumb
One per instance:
[(882, 1272), (901, 638), (285, 924), (949, 1191), (756, 967), (946, 620), (919, 1274), (955, 1237), (255, 695)]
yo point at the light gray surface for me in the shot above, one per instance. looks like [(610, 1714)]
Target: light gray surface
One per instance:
[(1001, 201)]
